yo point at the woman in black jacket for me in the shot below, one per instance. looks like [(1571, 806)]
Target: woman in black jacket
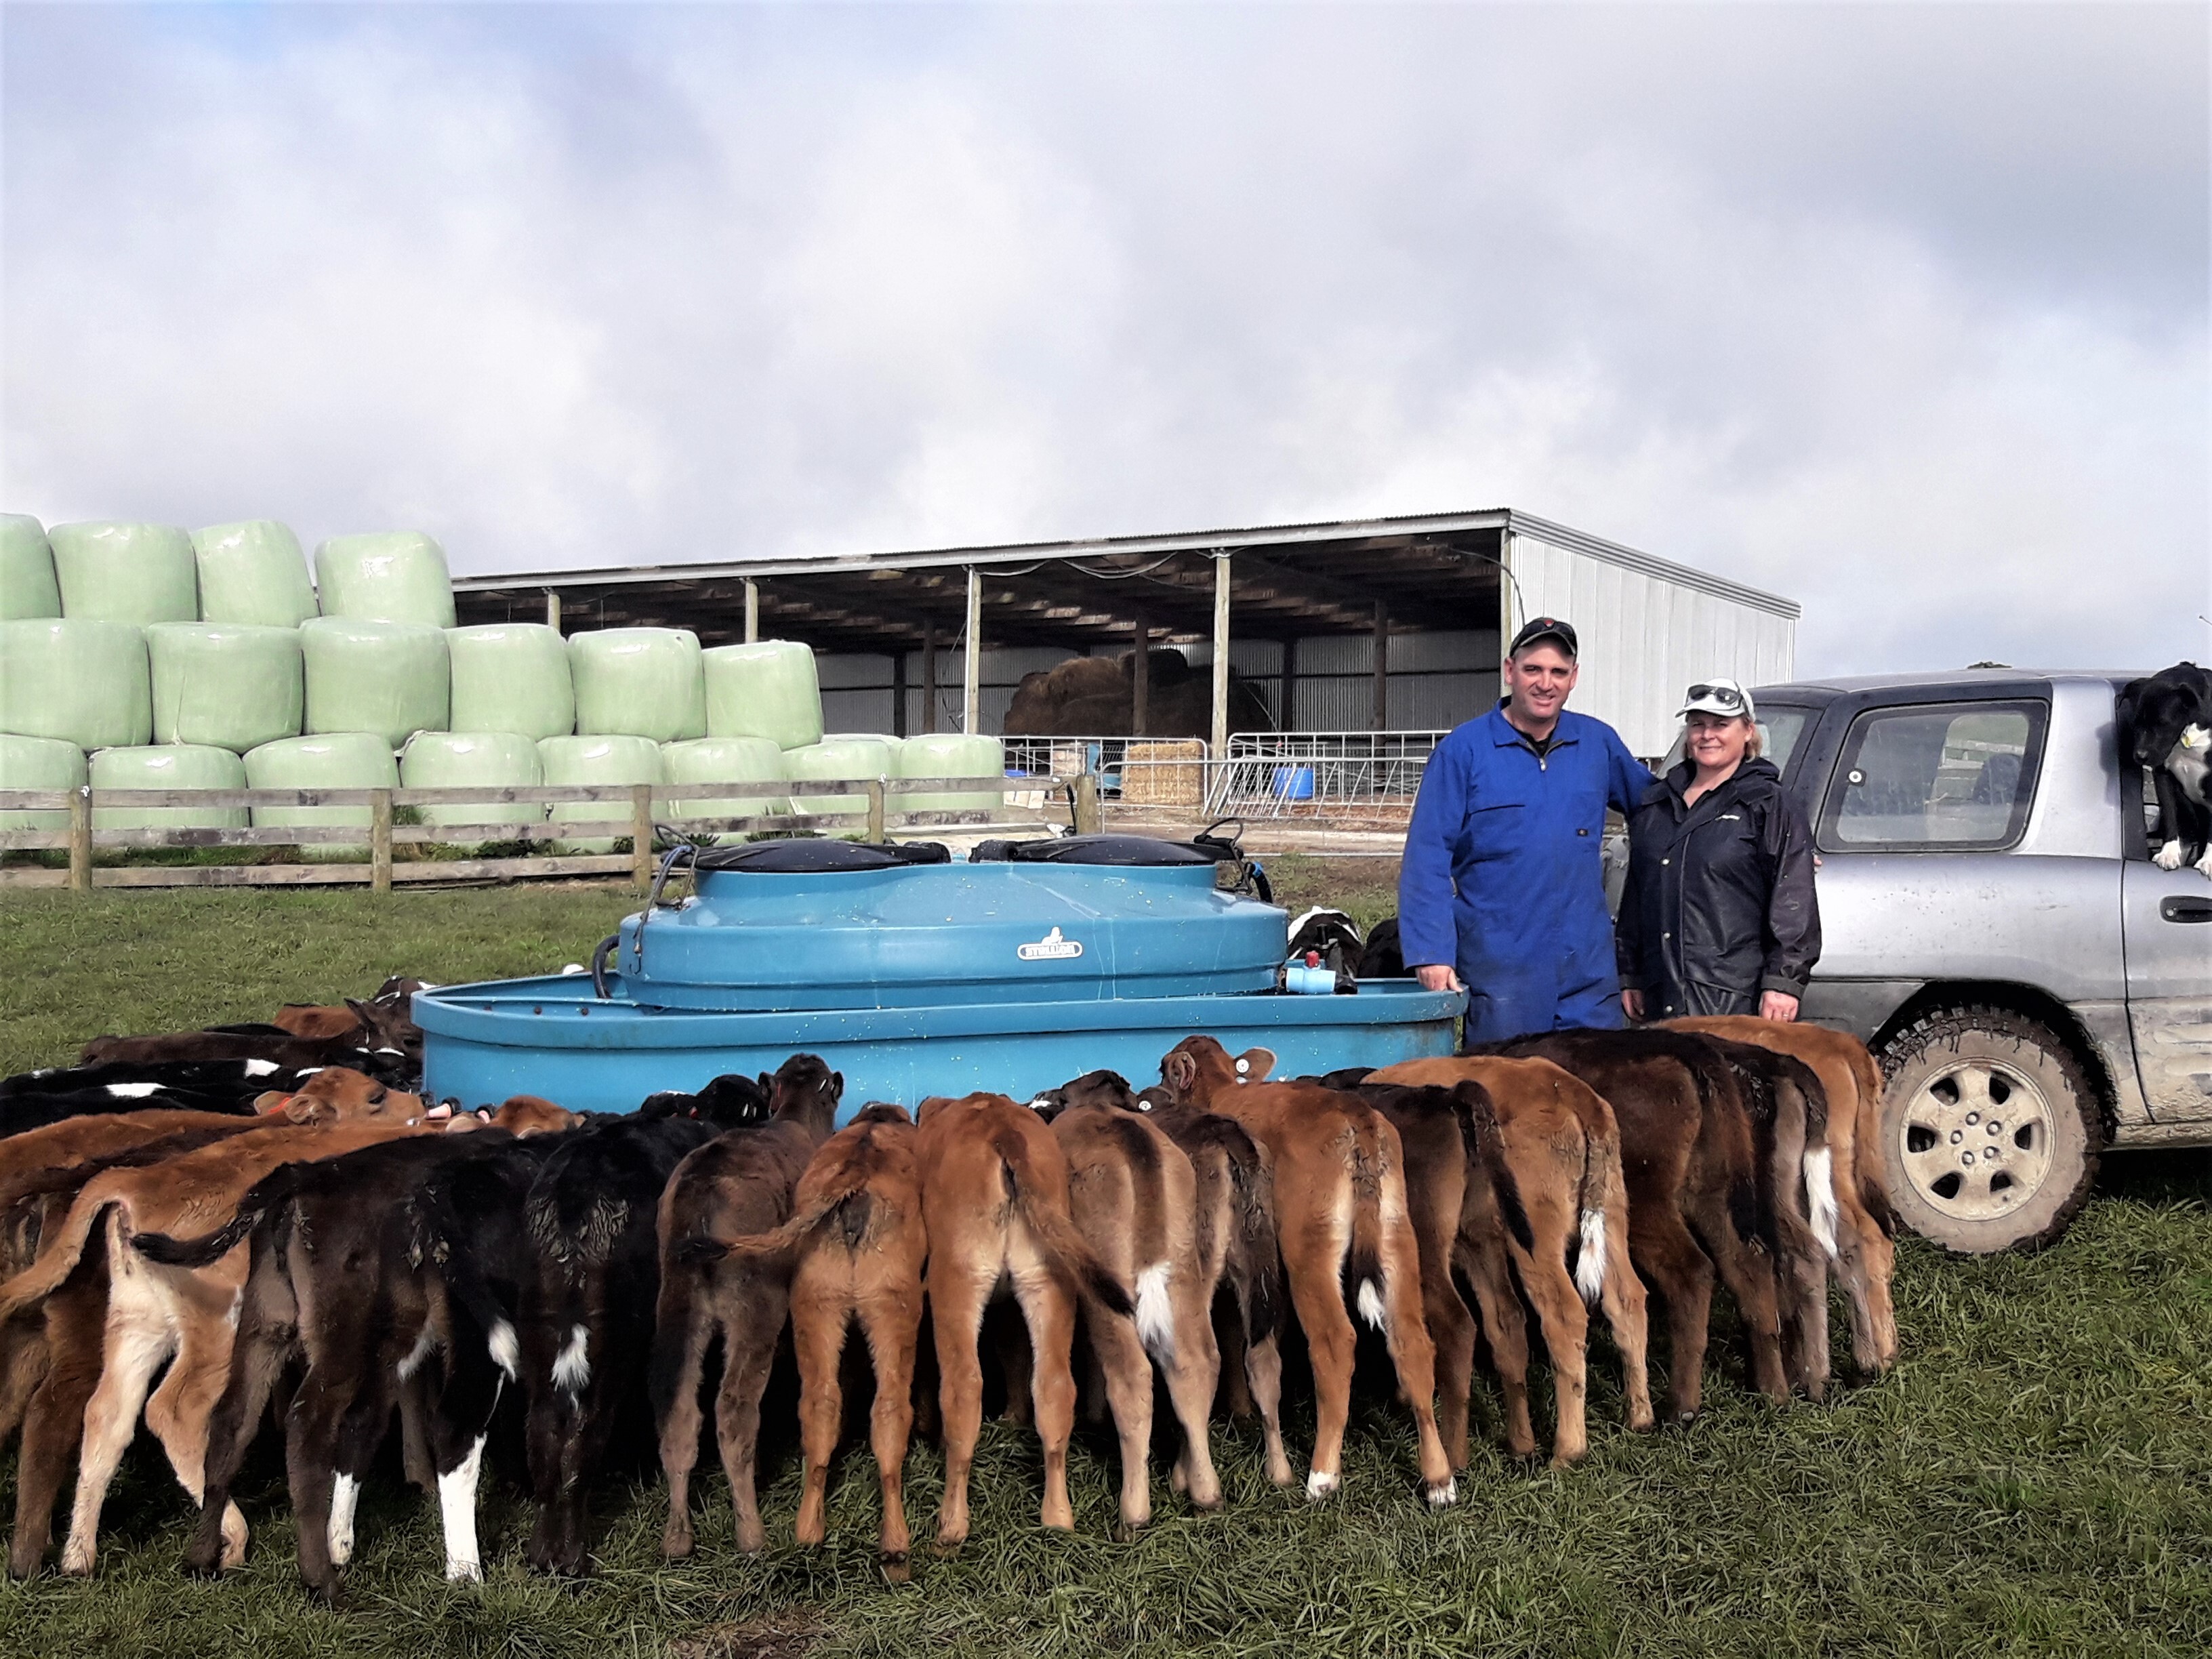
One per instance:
[(1719, 916)]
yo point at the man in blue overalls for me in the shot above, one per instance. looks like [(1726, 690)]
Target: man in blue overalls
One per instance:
[(1502, 893)]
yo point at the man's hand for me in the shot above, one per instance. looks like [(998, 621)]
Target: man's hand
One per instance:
[(1631, 1002), (1777, 1005), (1439, 976)]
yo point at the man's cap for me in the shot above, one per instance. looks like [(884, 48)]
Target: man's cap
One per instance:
[(1544, 628), (1717, 696)]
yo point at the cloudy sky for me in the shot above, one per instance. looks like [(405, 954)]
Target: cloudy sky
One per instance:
[(1899, 310)]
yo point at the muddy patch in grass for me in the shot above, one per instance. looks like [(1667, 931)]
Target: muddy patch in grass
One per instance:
[(773, 1636)]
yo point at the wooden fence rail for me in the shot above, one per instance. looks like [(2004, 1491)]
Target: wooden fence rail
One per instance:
[(379, 831)]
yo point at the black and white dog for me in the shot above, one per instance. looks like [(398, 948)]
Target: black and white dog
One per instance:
[(2166, 724)]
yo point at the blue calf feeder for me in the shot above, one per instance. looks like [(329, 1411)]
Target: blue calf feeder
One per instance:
[(1025, 965)]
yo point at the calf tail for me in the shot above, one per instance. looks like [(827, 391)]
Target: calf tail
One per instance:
[(265, 1195), (1600, 1196), (1055, 1233), (58, 1259), (1259, 1280), (1363, 1282), (465, 1280)]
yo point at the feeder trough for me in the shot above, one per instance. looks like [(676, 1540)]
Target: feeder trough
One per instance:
[(915, 973)]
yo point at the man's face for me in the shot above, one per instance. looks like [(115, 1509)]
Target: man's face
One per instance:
[(1537, 682)]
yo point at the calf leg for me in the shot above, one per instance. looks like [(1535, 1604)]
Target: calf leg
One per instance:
[(1664, 1248), (458, 1421), (1414, 1358), (1128, 1377), (1749, 1275), (258, 1351), (310, 1436), (1263, 1370), (957, 1296), (1565, 1322), (1050, 1310), (23, 1360), (1482, 1255), (749, 1342), (136, 1345), (817, 1334), (892, 1324), (684, 1329), (54, 1419), (1451, 1329), (1333, 1345), (1193, 1374), (1626, 1316), (178, 1413)]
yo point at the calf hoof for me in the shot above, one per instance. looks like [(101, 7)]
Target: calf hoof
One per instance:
[(896, 1569), (204, 1560), (76, 1562), (1320, 1485), (464, 1569), (1443, 1495), (675, 1543), (1279, 1472), (947, 1548)]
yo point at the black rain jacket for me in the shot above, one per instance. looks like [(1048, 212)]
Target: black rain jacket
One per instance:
[(1719, 904)]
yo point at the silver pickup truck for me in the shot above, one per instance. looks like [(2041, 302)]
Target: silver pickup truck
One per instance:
[(2035, 988)]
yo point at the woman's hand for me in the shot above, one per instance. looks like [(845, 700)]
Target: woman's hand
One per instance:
[(1777, 1005), (1631, 1002)]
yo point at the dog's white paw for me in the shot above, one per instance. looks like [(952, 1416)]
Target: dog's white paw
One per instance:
[(1320, 1485), (2204, 864), (2168, 857)]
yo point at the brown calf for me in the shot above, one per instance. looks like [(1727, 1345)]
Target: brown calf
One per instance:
[(994, 1195), (153, 1312), (857, 1242), (741, 1183), (1865, 1252), (1562, 1210), (1132, 1196), (1341, 1216)]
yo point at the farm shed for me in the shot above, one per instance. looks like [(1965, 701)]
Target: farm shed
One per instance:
[(1360, 626)]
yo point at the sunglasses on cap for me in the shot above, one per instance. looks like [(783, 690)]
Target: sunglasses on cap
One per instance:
[(1728, 696)]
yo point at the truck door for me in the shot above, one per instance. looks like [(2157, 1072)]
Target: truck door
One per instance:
[(2166, 925)]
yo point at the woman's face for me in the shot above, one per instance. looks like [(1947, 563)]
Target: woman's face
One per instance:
[(1716, 742)]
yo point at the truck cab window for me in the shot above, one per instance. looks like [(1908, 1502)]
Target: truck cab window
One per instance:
[(1951, 775)]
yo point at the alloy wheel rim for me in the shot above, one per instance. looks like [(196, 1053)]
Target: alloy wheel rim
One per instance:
[(1976, 1140)]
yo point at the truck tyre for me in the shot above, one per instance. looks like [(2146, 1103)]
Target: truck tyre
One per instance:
[(1990, 1131)]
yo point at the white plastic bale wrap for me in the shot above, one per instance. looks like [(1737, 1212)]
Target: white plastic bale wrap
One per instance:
[(27, 588), (341, 760), (368, 675), (639, 683), (765, 689), (952, 755), (85, 682), (39, 763), (125, 573), (235, 687), (725, 760), (167, 766), (390, 575), (474, 760), (512, 676), (252, 574), (838, 757), (609, 758)]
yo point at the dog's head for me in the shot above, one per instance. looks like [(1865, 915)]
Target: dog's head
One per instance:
[(2156, 712)]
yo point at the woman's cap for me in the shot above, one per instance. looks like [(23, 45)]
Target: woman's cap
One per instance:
[(1544, 628), (1723, 697)]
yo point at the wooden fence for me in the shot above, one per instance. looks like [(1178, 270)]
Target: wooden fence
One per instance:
[(1057, 803)]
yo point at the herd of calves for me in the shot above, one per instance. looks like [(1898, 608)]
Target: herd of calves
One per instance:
[(268, 1212)]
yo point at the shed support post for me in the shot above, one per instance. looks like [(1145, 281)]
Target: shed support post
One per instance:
[(898, 693), (80, 870), (972, 670), (640, 835), (752, 610), (1382, 667), (1221, 657), (1286, 716), (928, 675), (380, 841), (553, 611), (1141, 677)]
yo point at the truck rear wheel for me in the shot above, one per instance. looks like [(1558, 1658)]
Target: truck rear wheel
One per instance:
[(1989, 1133)]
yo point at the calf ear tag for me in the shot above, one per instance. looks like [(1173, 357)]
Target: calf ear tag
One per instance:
[(1244, 1066)]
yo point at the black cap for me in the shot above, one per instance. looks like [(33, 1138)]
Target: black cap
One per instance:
[(1544, 628)]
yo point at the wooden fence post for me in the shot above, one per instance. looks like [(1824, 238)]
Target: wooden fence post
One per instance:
[(875, 810), (640, 833), (380, 841), (1084, 793), (80, 870)]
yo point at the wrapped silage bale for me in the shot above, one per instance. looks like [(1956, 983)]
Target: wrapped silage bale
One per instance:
[(725, 760), (474, 760), (39, 763), (639, 682), (339, 760), (252, 574), (951, 755), (764, 689), (125, 573), (367, 676), (858, 756), (234, 687), (85, 682), (512, 676), (389, 575), (167, 766), (27, 588), (609, 758)]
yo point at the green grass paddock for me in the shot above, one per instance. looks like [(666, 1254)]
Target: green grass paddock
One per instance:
[(2035, 1477)]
